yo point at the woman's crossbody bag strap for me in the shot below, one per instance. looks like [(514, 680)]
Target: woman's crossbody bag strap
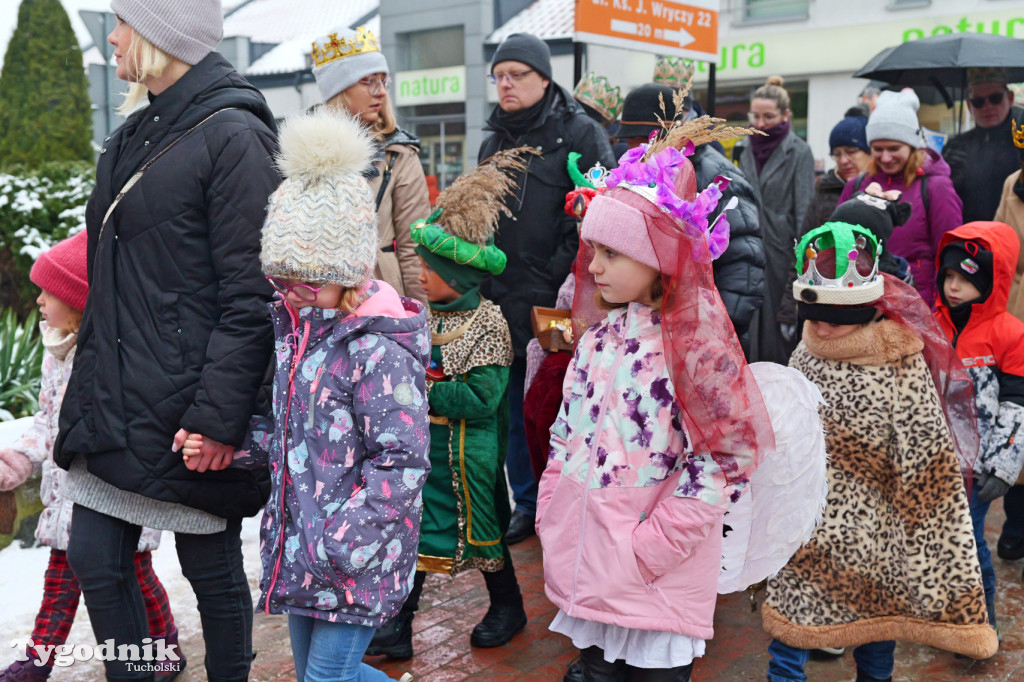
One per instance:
[(138, 174)]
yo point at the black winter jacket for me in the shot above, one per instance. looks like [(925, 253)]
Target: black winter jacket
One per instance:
[(540, 239), (739, 272), (176, 333), (979, 162)]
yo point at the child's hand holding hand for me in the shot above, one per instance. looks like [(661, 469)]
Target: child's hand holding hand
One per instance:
[(202, 453), (15, 467)]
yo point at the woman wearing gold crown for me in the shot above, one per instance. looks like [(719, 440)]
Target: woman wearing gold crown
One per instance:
[(894, 557), (353, 76)]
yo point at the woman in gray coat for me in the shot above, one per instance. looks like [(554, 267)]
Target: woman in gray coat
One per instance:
[(781, 168)]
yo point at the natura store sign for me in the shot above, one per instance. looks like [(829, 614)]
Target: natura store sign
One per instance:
[(430, 86), (814, 50)]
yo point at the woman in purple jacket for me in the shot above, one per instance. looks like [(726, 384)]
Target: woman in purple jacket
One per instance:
[(899, 161)]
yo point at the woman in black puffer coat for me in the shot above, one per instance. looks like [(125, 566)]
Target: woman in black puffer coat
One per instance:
[(175, 337)]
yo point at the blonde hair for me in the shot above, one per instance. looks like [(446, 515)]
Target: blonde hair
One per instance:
[(386, 122), (74, 320), (773, 90), (915, 162), (350, 299), (149, 61)]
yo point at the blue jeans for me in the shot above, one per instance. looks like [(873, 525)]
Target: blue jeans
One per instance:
[(988, 573), (787, 663), (517, 461), (331, 652)]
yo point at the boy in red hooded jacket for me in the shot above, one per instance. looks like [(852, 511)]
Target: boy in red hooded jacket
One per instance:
[(975, 267)]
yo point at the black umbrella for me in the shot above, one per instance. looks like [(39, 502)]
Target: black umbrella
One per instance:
[(943, 60)]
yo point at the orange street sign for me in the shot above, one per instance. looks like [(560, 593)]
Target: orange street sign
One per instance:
[(665, 27)]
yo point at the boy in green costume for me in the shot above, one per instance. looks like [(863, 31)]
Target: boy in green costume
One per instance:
[(465, 500)]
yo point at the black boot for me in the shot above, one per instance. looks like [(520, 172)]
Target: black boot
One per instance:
[(394, 638), (169, 670), (506, 615), (864, 677)]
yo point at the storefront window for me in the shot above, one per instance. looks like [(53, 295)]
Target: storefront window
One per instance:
[(436, 48), (442, 132), (776, 9)]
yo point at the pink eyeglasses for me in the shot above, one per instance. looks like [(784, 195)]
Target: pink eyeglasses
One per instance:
[(303, 291)]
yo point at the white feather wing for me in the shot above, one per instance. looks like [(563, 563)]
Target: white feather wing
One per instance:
[(786, 496)]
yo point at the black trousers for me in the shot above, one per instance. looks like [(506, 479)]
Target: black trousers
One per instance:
[(102, 553), (596, 669)]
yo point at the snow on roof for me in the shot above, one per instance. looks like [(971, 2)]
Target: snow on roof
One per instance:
[(277, 21), (290, 56), (546, 19)]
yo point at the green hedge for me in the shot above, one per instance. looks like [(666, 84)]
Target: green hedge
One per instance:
[(37, 210)]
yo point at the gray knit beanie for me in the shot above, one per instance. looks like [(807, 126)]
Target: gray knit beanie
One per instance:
[(525, 48), (185, 29), (344, 57), (321, 224), (895, 118)]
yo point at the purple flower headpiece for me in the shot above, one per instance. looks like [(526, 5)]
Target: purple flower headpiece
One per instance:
[(655, 179)]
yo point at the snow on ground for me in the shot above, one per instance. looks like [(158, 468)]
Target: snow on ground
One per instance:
[(21, 590)]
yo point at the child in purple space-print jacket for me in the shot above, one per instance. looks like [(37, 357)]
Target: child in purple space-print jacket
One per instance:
[(348, 437)]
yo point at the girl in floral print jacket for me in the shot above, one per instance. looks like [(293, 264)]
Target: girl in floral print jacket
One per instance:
[(348, 438), (631, 505)]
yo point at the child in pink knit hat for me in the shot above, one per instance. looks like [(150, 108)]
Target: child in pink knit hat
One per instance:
[(62, 276)]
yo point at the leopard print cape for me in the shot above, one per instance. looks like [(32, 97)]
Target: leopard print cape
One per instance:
[(486, 342), (894, 557)]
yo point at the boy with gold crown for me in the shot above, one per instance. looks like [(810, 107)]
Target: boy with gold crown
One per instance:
[(899, 416), (465, 499)]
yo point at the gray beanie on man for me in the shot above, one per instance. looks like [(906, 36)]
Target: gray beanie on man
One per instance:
[(185, 29), (525, 48), (895, 118), (344, 57)]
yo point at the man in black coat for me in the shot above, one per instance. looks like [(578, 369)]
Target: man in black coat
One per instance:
[(539, 239), (981, 159), (739, 272)]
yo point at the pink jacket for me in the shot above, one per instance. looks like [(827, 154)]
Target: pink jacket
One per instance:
[(630, 520)]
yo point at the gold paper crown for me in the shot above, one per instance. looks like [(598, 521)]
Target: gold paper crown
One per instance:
[(336, 48), (1018, 134), (596, 92), (675, 72)]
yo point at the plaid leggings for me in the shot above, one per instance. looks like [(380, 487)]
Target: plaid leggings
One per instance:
[(61, 593)]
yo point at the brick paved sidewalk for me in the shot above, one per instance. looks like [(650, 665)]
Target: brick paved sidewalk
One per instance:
[(450, 608)]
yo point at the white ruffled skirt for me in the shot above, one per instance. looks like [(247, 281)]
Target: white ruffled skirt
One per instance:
[(639, 648)]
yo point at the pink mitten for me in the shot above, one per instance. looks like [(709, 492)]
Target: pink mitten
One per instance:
[(15, 467)]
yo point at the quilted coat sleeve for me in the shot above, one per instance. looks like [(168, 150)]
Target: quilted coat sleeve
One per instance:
[(36, 443), (945, 209), (394, 440), (1003, 449), (474, 395), (239, 348), (591, 142), (255, 450), (739, 272)]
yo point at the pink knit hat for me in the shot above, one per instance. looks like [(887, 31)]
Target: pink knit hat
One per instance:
[(621, 219), (62, 271)]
